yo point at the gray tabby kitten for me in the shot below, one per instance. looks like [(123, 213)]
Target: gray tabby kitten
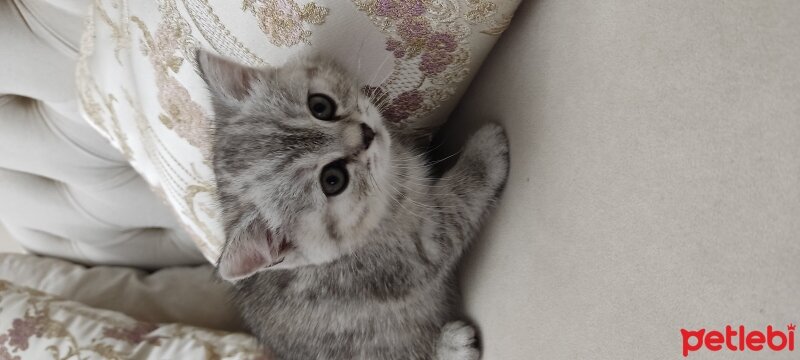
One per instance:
[(340, 244)]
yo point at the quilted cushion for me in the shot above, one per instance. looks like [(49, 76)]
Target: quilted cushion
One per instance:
[(64, 190), (163, 296), (139, 85)]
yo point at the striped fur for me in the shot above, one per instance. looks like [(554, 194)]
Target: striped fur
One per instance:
[(366, 274)]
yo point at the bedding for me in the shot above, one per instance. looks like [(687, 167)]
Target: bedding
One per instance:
[(64, 190), (38, 325), (165, 296)]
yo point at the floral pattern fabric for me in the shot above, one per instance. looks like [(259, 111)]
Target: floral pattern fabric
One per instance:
[(139, 86), (36, 325)]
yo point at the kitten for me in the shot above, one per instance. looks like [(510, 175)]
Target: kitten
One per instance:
[(340, 244)]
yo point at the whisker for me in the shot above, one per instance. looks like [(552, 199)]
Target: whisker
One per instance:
[(399, 203), (377, 71), (412, 202), (407, 160), (426, 193), (415, 181)]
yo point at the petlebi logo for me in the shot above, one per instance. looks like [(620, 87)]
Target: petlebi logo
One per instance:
[(739, 339)]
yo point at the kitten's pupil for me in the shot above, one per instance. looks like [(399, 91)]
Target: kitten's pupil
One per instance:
[(334, 178), (322, 107)]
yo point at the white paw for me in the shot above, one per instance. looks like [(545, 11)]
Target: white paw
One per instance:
[(457, 342), (490, 143), (490, 137)]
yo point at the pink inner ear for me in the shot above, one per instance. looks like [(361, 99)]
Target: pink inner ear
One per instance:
[(245, 255), (246, 265)]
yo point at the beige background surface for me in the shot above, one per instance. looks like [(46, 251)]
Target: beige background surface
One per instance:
[(655, 179)]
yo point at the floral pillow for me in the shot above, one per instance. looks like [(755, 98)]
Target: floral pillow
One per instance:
[(36, 325), (138, 83)]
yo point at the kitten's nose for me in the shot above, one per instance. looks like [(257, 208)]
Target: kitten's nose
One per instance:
[(367, 135)]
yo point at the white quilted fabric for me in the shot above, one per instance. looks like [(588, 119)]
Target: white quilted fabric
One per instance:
[(64, 191), (162, 296)]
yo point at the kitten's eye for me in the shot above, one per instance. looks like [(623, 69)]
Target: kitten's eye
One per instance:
[(334, 178), (321, 106)]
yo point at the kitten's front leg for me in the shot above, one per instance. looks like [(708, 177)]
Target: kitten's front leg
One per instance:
[(473, 184)]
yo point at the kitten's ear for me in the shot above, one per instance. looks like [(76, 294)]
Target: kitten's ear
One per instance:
[(247, 251), (226, 79)]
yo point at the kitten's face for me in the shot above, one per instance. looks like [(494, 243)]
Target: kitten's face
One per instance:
[(299, 152)]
